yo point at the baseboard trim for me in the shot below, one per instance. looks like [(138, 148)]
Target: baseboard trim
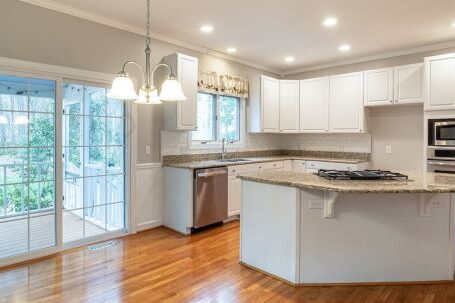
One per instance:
[(149, 225), (346, 283)]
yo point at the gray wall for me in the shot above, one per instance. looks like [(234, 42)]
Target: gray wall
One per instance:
[(36, 34)]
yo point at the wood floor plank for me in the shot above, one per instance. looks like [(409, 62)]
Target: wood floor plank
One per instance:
[(162, 266)]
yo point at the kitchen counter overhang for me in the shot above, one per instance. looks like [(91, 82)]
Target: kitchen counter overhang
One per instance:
[(418, 182)]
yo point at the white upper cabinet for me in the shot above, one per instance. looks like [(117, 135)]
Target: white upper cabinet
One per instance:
[(378, 85), (270, 104), (314, 102), (182, 115), (440, 82), (289, 106), (346, 111), (394, 85), (408, 87)]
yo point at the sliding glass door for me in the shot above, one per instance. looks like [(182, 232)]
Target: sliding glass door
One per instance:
[(63, 166), (27, 165), (94, 162)]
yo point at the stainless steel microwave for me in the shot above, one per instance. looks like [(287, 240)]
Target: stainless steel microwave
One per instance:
[(441, 132)]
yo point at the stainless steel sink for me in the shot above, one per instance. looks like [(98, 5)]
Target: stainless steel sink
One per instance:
[(233, 160)]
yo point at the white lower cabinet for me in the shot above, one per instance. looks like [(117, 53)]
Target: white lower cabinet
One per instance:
[(234, 195), (314, 166), (235, 184)]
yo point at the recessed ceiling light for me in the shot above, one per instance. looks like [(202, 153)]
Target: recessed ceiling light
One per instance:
[(453, 24), (206, 28), (231, 50), (344, 48), (330, 21), (289, 59)]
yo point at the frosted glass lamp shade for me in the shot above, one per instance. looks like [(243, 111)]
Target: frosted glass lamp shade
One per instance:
[(122, 89), (148, 96), (21, 120), (3, 120), (172, 91)]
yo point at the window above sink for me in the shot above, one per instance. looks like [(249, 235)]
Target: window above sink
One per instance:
[(219, 117)]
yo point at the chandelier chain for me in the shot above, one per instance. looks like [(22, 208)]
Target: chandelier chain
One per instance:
[(148, 23)]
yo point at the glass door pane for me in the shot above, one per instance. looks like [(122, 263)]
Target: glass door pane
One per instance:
[(94, 170), (27, 165)]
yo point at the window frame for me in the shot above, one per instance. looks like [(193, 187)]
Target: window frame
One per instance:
[(217, 143)]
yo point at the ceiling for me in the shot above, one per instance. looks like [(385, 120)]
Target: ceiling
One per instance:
[(265, 31)]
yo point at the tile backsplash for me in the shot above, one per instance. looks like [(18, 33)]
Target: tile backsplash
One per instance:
[(357, 143), (176, 143)]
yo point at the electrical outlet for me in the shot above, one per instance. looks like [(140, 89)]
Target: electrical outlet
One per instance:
[(316, 204), (388, 149), (148, 152)]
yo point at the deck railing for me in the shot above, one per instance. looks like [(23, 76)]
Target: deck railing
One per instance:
[(94, 193)]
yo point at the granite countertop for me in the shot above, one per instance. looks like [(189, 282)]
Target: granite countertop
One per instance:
[(417, 183), (250, 160)]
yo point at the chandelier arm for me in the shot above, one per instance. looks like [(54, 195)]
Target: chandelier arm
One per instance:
[(168, 67), (123, 72)]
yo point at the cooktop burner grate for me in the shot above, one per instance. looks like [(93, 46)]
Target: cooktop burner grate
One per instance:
[(360, 175)]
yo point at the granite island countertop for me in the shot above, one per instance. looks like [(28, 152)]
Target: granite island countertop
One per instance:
[(418, 182), (250, 160)]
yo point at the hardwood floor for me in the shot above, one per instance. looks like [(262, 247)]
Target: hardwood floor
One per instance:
[(162, 266)]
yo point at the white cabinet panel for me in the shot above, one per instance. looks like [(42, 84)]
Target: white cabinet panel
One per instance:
[(440, 82), (187, 75), (289, 106), (182, 115), (234, 196), (314, 101), (378, 87), (346, 111), (270, 104), (408, 88)]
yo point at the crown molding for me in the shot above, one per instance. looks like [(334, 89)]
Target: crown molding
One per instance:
[(409, 51), (66, 9), (29, 67)]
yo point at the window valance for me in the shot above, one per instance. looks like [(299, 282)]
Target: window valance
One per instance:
[(214, 83)]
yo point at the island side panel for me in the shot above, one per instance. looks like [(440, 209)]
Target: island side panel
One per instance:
[(269, 229), (376, 238)]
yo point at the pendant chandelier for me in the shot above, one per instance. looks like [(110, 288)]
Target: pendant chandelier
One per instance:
[(123, 86)]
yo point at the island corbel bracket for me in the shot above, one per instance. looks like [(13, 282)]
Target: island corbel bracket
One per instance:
[(329, 203), (425, 202)]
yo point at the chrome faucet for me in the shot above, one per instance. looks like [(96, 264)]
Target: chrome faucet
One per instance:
[(223, 149)]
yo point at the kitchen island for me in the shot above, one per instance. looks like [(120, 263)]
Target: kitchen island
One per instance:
[(304, 229)]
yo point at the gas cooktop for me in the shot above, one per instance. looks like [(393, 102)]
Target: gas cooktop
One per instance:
[(360, 175)]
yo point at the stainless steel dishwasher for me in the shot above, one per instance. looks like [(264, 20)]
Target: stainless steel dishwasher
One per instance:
[(210, 204)]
